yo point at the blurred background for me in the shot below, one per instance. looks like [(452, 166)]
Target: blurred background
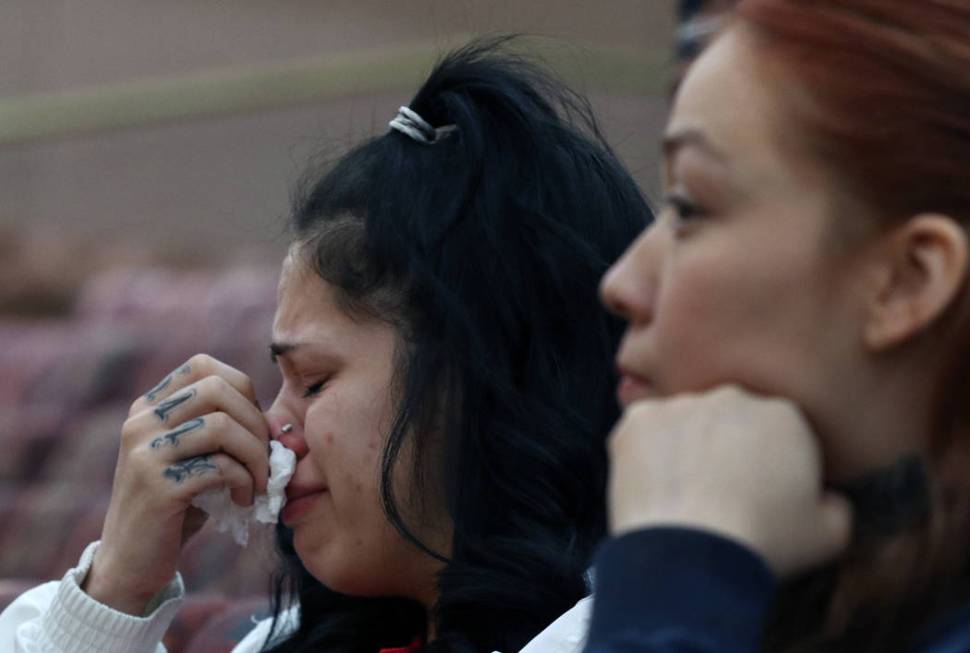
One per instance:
[(137, 131), (147, 153)]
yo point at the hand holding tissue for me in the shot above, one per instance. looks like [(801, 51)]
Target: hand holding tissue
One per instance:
[(229, 517)]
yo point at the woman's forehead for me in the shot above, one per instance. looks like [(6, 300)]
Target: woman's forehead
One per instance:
[(308, 312), (722, 96), (729, 100), (302, 299)]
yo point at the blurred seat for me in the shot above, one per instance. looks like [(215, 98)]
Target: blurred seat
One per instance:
[(221, 632), (11, 589), (65, 389)]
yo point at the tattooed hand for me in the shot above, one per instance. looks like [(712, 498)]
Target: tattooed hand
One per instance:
[(199, 428)]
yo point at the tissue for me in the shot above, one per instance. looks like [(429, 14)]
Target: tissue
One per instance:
[(229, 517)]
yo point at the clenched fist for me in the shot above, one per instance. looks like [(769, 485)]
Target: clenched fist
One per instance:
[(726, 461)]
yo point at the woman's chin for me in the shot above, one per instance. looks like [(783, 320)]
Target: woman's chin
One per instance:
[(339, 571)]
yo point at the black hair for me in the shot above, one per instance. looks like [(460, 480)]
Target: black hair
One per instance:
[(689, 43), (485, 250), (687, 9)]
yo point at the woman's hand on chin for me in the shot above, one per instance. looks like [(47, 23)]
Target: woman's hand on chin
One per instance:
[(199, 428), (729, 462)]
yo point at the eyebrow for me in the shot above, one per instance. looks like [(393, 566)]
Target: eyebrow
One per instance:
[(672, 142), (277, 349)]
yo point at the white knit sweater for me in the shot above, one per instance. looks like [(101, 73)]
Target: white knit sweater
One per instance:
[(58, 617)]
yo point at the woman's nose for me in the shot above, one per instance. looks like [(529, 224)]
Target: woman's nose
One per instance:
[(283, 426), (627, 287), (291, 436)]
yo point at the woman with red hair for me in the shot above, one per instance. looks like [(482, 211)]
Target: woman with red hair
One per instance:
[(792, 472)]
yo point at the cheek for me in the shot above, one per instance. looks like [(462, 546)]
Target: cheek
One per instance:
[(345, 445), (347, 448), (695, 319), (353, 548), (734, 318)]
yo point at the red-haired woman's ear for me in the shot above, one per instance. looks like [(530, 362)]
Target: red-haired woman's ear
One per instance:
[(924, 266)]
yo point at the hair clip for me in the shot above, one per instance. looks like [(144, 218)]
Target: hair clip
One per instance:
[(409, 123)]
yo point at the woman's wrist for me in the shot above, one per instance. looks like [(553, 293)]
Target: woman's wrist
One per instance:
[(113, 591)]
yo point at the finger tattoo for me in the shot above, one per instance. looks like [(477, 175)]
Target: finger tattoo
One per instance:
[(185, 469), (152, 394), (172, 437), (166, 407)]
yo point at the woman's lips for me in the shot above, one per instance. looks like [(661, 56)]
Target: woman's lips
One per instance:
[(300, 503), (632, 388)]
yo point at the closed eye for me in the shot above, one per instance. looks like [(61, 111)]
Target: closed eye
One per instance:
[(314, 390), (684, 208)]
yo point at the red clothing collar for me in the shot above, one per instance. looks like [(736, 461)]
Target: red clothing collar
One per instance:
[(413, 647)]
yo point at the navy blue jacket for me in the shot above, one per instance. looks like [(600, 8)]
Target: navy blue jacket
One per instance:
[(677, 590)]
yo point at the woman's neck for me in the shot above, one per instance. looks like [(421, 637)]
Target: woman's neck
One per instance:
[(878, 419)]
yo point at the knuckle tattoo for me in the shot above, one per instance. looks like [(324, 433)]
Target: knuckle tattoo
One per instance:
[(165, 409), (152, 394), (189, 468), (172, 437)]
